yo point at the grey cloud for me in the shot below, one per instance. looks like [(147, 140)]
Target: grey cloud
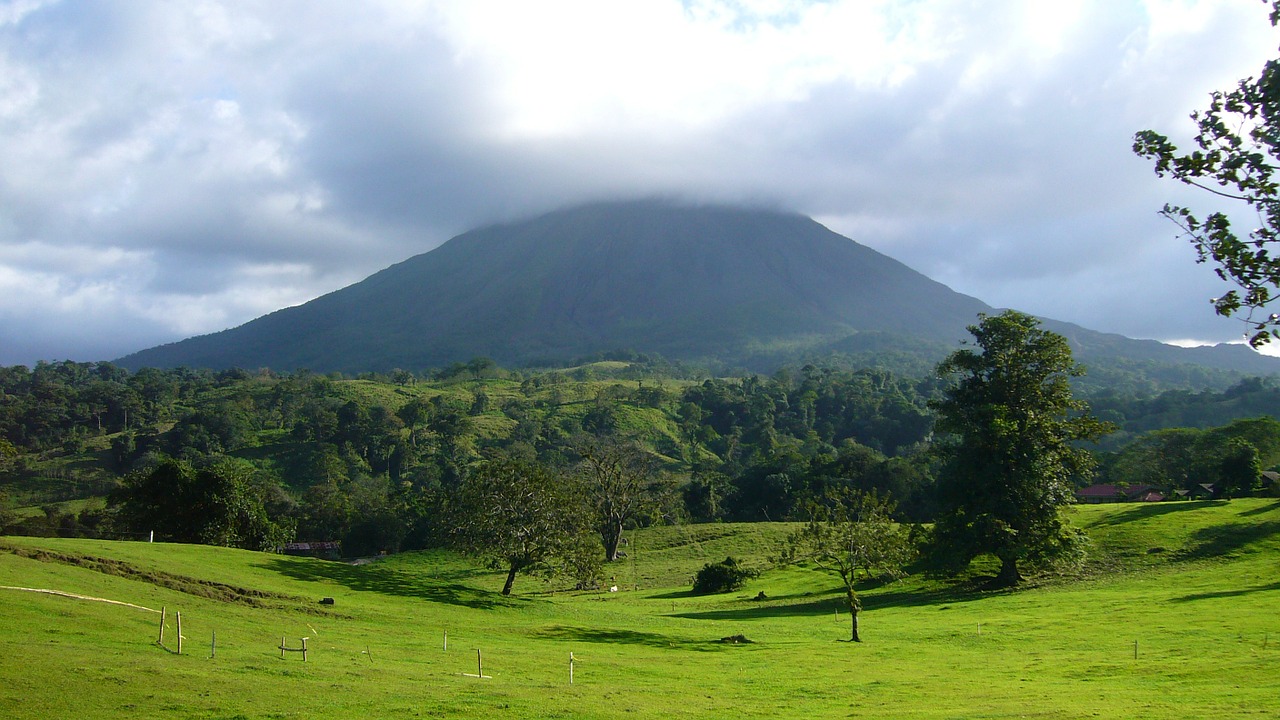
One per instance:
[(359, 138)]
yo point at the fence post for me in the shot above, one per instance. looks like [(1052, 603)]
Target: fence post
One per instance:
[(163, 612), (179, 614), (304, 649)]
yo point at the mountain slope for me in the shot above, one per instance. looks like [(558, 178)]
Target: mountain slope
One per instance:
[(689, 282), (682, 281)]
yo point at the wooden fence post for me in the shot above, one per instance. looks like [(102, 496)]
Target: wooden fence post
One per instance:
[(179, 614), (163, 612), (304, 649)]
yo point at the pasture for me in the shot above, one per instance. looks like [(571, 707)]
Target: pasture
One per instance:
[(1174, 617)]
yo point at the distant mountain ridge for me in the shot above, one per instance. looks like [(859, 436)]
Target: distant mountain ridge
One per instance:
[(688, 282)]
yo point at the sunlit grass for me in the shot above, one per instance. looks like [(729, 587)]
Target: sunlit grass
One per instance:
[(1193, 585)]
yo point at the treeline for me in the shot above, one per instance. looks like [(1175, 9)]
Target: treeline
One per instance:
[(1230, 458), (1140, 413), (377, 461)]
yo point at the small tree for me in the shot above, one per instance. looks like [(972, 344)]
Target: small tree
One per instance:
[(617, 476), (520, 517), (852, 534), (1239, 468)]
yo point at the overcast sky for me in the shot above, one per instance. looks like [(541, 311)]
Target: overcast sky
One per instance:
[(176, 168)]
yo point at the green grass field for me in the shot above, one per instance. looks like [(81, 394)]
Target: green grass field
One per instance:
[(1192, 589)]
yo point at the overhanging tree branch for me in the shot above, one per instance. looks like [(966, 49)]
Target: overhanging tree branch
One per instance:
[(1238, 147)]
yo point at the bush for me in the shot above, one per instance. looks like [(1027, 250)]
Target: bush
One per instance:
[(724, 576)]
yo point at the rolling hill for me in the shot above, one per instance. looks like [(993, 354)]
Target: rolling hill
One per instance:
[(739, 286), (1173, 619)]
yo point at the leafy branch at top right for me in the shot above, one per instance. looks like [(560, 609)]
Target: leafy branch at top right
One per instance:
[(1236, 155)]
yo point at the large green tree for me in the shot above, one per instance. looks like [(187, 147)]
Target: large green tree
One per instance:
[(1236, 155), (1010, 432), (521, 517), (220, 502)]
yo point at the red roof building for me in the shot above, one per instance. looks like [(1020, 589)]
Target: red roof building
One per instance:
[(1095, 494), (1101, 494)]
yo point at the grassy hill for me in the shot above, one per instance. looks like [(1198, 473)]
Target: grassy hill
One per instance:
[(1192, 584)]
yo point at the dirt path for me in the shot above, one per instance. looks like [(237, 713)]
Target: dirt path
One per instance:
[(74, 596)]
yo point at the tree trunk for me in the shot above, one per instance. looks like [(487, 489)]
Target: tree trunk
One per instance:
[(612, 537), (854, 606), (511, 578), (1009, 575)]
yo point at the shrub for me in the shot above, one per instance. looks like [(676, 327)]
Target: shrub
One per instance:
[(724, 576)]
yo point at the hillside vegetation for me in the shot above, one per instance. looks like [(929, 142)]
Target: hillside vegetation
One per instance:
[(1173, 618), (360, 459)]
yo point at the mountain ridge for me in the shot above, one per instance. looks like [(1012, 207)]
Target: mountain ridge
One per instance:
[(689, 282)]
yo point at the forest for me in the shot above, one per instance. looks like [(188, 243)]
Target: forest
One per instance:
[(375, 461)]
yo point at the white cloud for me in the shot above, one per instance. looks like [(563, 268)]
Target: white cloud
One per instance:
[(589, 66)]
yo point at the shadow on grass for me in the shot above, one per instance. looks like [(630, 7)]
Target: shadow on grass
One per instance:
[(1227, 593), (1261, 510), (1223, 540), (738, 596), (372, 578), (625, 637), (677, 595), (823, 606), (1143, 511), (828, 605)]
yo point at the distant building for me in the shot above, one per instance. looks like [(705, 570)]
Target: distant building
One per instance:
[(327, 549), (1271, 482), (1203, 491), (1095, 494)]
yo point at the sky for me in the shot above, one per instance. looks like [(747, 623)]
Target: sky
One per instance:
[(169, 169)]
